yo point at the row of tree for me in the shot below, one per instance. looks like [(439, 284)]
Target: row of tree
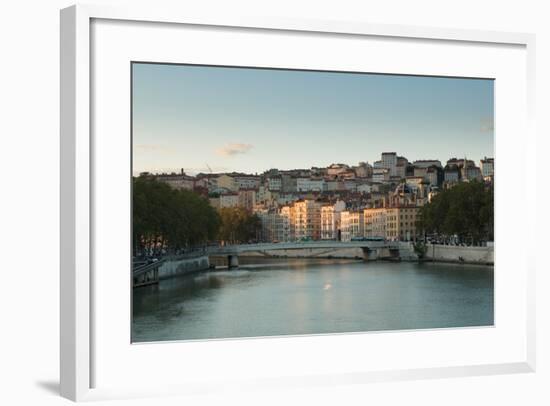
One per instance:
[(238, 226), (465, 210), (166, 219)]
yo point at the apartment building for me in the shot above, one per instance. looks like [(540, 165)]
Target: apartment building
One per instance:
[(401, 223), (330, 220), (375, 222), (351, 224), (305, 216)]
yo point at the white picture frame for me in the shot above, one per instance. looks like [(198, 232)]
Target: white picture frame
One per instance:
[(77, 189)]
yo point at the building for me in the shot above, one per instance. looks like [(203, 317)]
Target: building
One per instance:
[(264, 196), (226, 182), (374, 222), (389, 161), (426, 163), (247, 198), (351, 225), (432, 175), (420, 171), (247, 182), (310, 185), (337, 169), (329, 231), (363, 170), (275, 225), (404, 195), (274, 183), (350, 185), (179, 181), (229, 200), (202, 182), (487, 166), (306, 219), (287, 214), (334, 185), (330, 220), (364, 188), (471, 172), (380, 175), (451, 173), (419, 187), (288, 183), (285, 199), (401, 223), (401, 167)]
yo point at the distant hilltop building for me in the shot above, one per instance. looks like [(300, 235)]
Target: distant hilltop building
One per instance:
[(426, 163), (487, 167), (339, 201), (177, 180), (465, 170)]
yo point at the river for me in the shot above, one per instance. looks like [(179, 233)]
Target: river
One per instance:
[(300, 296)]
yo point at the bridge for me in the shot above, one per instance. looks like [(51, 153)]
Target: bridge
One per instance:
[(145, 273), (370, 248)]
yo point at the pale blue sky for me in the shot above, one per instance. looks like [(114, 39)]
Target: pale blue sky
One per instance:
[(251, 120)]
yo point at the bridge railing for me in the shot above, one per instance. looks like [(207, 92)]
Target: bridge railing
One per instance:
[(141, 269), (229, 249)]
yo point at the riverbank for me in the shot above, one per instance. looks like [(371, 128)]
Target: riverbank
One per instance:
[(459, 255), (451, 254), (182, 266)]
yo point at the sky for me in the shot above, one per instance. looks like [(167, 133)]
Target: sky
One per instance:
[(251, 120)]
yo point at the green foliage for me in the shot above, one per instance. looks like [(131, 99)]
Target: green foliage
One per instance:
[(167, 218), (465, 210), (420, 249), (238, 225)]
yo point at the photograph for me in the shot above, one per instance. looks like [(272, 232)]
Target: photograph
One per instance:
[(283, 202)]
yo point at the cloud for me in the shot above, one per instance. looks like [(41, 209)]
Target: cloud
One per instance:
[(234, 149)]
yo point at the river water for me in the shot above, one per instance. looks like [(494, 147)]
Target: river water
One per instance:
[(300, 296)]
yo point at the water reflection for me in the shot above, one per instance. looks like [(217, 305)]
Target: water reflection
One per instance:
[(278, 297)]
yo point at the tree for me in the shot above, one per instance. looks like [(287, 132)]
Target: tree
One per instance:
[(238, 225), (420, 249), (465, 210), (166, 218)]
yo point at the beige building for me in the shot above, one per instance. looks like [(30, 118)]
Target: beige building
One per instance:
[(247, 198), (337, 169), (330, 220), (226, 182), (247, 182), (287, 215), (380, 175), (401, 223), (351, 224), (177, 181), (228, 200), (375, 222), (275, 225), (306, 219)]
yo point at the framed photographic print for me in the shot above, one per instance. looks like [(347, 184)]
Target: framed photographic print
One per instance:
[(290, 202)]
